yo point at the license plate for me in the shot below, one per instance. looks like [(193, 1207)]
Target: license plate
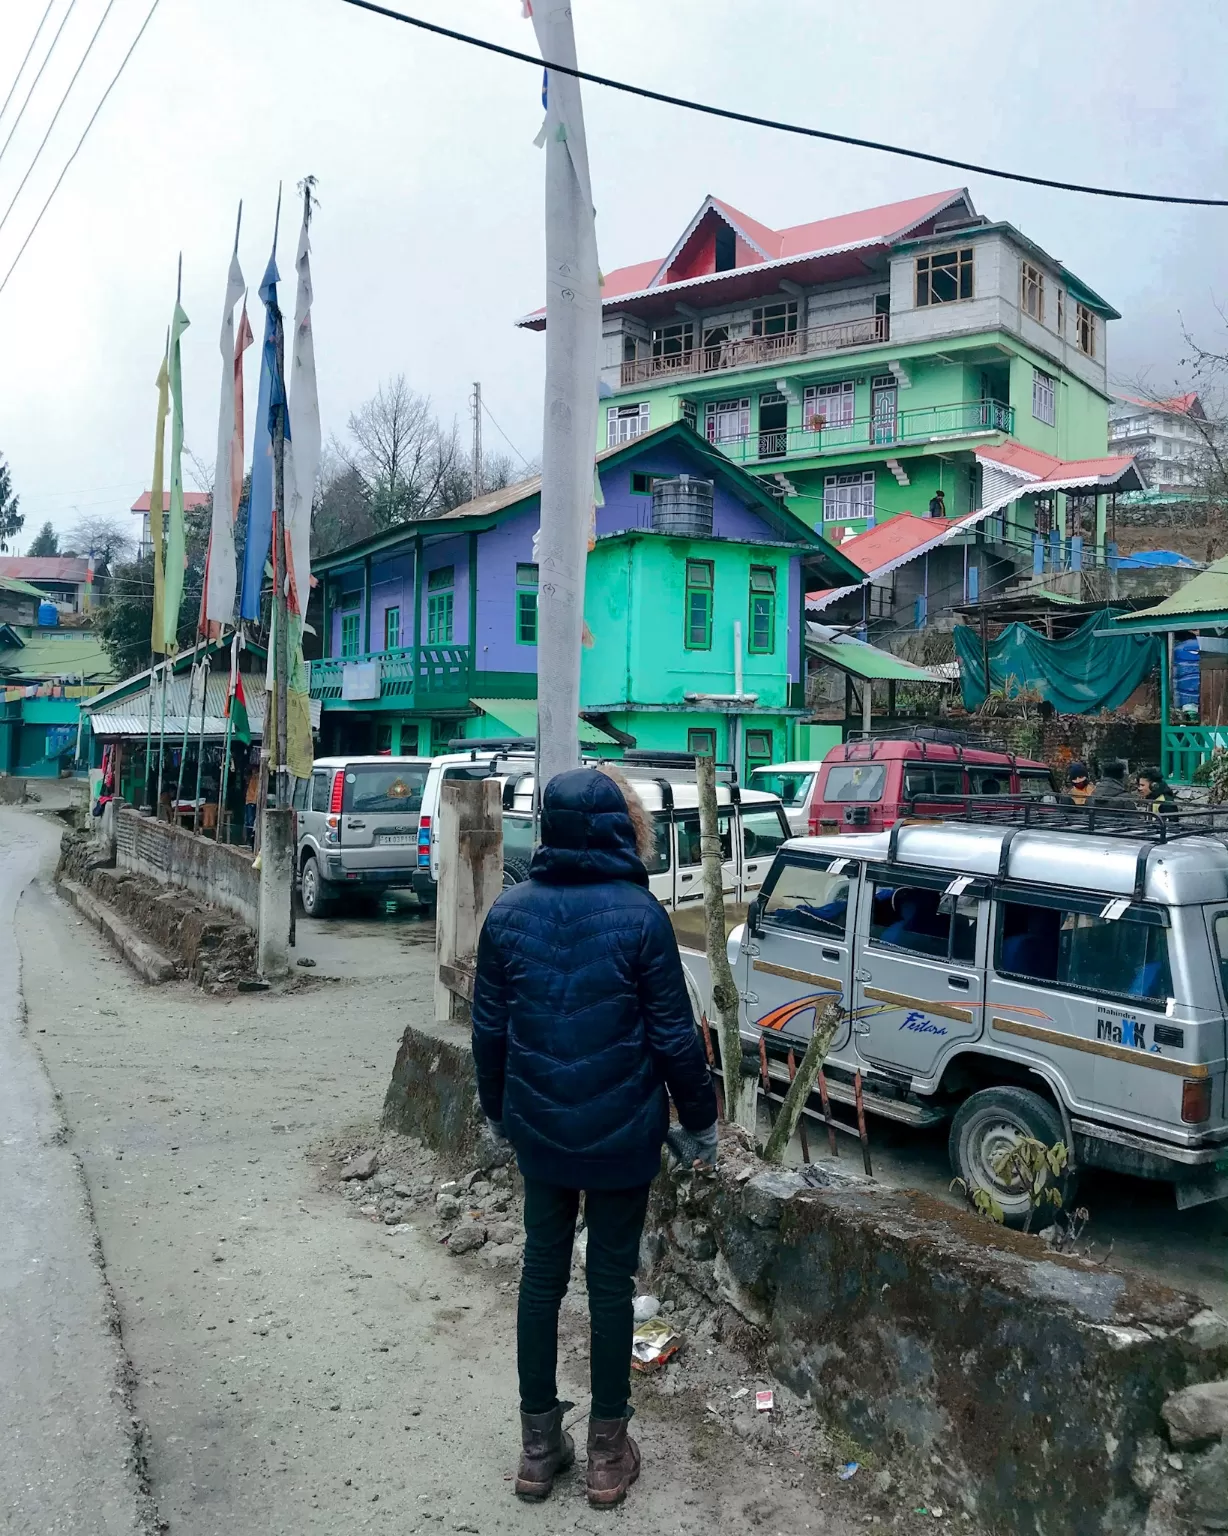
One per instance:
[(397, 839)]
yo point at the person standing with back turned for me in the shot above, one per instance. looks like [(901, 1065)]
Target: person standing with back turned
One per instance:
[(582, 1031)]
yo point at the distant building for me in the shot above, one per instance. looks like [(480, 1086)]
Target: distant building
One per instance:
[(192, 501), (66, 579), (45, 673), (1168, 439)]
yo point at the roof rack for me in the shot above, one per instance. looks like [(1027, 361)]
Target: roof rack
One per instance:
[(678, 762), (940, 735), (1109, 819), (500, 744)]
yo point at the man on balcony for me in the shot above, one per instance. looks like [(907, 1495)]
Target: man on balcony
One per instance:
[(938, 504)]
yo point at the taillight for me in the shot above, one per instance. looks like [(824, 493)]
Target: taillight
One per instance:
[(1196, 1099), (334, 803), (424, 842)]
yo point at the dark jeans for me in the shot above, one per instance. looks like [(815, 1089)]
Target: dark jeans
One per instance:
[(615, 1221)]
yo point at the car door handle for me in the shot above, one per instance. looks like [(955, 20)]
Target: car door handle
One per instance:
[(354, 822), (683, 879), (831, 954), (961, 982)]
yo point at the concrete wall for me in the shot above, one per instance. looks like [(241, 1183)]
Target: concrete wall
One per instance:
[(172, 856)]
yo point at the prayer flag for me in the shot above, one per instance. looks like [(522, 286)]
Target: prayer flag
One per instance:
[(157, 517), (260, 501), (176, 541), (220, 574)]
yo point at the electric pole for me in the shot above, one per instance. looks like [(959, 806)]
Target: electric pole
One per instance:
[(475, 405)]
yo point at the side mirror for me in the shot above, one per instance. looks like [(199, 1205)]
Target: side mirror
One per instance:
[(753, 915)]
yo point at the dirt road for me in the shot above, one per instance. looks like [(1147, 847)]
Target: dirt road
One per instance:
[(299, 1369)]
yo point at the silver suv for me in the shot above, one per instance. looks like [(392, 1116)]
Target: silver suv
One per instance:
[(357, 826)]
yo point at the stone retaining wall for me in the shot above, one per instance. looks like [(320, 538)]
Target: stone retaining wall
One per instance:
[(221, 875)]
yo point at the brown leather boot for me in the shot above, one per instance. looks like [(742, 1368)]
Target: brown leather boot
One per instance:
[(546, 1450), (613, 1461)]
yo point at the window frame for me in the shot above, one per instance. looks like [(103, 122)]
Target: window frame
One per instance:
[(1142, 914), (1085, 329), (851, 874), (756, 759), (625, 422), (695, 589), (701, 730), (663, 337), (1044, 384), (1061, 311), (527, 581), (351, 631), (392, 635), (959, 261), (763, 315), (761, 609), (836, 510), (977, 890), (841, 391), (716, 410), (441, 605), (1032, 292)]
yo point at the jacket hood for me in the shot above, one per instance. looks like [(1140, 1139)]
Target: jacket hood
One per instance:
[(587, 832)]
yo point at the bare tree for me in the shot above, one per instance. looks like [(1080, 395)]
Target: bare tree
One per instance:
[(107, 537), (202, 472), (395, 448)]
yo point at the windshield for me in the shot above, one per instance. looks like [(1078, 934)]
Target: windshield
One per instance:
[(855, 781), (792, 788), (372, 787)]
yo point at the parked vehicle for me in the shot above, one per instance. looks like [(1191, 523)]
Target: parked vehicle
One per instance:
[(793, 784), (356, 822), (869, 782), (1046, 982)]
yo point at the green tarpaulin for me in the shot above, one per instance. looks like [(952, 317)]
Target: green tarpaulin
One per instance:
[(1095, 668)]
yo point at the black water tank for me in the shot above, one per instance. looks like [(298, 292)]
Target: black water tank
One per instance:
[(683, 506)]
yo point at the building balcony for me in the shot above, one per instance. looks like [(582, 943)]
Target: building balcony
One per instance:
[(928, 424), (415, 678), (755, 351)]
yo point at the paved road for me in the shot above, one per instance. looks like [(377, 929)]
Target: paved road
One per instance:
[(66, 1445)]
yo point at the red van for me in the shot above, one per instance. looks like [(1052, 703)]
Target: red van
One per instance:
[(868, 783)]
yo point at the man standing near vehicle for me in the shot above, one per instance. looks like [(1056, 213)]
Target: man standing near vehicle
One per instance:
[(1081, 787), (581, 1027)]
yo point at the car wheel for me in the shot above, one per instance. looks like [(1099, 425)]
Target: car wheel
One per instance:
[(987, 1124), (514, 872), (315, 890)]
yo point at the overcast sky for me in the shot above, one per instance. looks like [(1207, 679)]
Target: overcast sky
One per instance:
[(428, 239)]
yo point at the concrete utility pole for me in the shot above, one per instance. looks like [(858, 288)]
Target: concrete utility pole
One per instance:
[(470, 841), (475, 406), (573, 334), (724, 992)]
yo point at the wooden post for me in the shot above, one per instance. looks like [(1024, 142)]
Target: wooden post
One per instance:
[(801, 1124), (724, 992), (826, 1023), (470, 830)]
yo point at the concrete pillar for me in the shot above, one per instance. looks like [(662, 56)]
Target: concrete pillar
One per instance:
[(469, 831), (276, 892)]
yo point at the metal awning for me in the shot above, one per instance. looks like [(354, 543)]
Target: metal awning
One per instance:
[(864, 660), (1202, 603), (133, 717), (520, 717)]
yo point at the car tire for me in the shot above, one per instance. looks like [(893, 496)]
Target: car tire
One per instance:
[(315, 891), (515, 871), (983, 1125)]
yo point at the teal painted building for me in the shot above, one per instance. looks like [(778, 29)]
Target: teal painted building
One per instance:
[(430, 629), (45, 674)]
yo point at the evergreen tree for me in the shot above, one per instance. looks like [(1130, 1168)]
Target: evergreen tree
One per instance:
[(10, 519), (45, 542)]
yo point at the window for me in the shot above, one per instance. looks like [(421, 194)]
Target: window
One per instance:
[(672, 342), (762, 636), (792, 789), (774, 319), (1061, 311), (926, 779), (990, 781), (641, 483), (944, 277), (726, 249), (828, 405), (727, 421), (392, 629), (1037, 786), (298, 795), (371, 788), (924, 920), (689, 413), (702, 743), (689, 851), (699, 580), (526, 605), (1066, 942), (758, 750), (349, 634), (321, 784), (623, 422), (855, 781), (1221, 947), (808, 899), (848, 496), (1042, 397), (1032, 291), (762, 832), (517, 837), (439, 605), (1085, 329)]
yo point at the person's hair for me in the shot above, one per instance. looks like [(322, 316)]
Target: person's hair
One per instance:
[(641, 821), (1151, 772)]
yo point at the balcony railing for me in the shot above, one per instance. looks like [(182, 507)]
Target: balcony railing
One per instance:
[(751, 351), (400, 674), (883, 431)]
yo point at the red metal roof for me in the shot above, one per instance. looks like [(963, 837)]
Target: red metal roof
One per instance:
[(1177, 405), (190, 499), (67, 568), (1039, 467)]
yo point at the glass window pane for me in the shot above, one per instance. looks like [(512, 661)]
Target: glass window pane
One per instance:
[(321, 784), (792, 788), (910, 917), (1126, 958), (762, 833), (658, 862), (372, 787), (689, 852), (809, 900), (855, 781)]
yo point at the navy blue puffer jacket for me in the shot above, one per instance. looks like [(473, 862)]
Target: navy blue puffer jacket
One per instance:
[(581, 1019)]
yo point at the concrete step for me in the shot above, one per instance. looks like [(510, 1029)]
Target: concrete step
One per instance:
[(150, 964)]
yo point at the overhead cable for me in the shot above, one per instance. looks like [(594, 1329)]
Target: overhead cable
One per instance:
[(21, 67), (93, 119), (34, 83), (780, 127)]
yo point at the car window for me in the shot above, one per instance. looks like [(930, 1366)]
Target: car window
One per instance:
[(659, 862), (1036, 786), (990, 781), (373, 787), (762, 832), (1221, 946), (793, 789), (924, 920), (517, 837), (855, 781), (320, 785), (807, 898), (299, 797), (931, 779), (688, 837), (1125, 957)]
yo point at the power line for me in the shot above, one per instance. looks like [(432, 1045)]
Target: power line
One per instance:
[(114, 81), (38, 77), (26, 60), (63, 99), (781, 127), (505, 437)]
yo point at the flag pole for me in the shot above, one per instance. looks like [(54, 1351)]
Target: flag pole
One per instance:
[(162, 738), (200, 747), (221, 792), (148, 731), (183, 750)]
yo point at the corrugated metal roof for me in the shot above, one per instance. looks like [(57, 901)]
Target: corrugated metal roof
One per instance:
[(864, 660), (1202, 597), (131, 717), (59, 653), (520, 717), (44, 567)]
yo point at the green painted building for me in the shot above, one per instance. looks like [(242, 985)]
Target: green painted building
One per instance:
[(45, 674)]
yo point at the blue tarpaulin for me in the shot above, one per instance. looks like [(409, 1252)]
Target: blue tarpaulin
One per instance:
[(1094, 668)]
